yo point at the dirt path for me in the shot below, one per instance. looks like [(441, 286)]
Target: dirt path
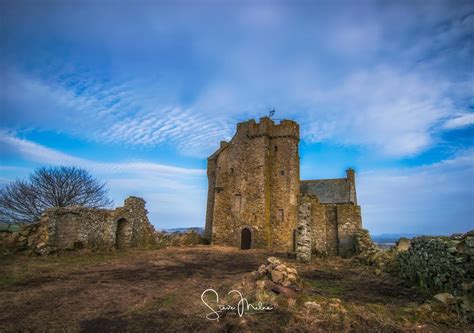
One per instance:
[(160, 290)]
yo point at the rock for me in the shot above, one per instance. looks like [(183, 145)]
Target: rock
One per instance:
[(312, 306), (277, 276), (281, 268), (445, 298), (273, 261), (41, 245)]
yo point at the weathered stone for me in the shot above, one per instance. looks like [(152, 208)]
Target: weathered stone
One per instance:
[(273, 261), (312, 306), (277, 276), (445, 298), (253, 196), (75, 227)]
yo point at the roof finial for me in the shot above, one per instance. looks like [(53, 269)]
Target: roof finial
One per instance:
[(271, 113)]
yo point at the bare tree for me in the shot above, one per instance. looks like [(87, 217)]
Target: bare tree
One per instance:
[(24, 201)]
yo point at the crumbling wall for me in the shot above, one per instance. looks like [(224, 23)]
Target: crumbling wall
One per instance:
[(303, 235), (76, 227), (318, 227), (348, 222), (439, 264)]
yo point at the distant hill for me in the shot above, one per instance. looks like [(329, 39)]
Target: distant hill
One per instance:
[(181, 230), (391, 238)]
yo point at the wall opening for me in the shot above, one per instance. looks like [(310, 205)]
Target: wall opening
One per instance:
[(245, 239), (281, 215), (294, 240), (122, 234), (237, 203)]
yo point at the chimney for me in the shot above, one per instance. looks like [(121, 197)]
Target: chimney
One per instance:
[(351, 179)]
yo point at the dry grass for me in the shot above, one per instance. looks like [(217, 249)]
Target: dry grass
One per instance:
[(159, 291)]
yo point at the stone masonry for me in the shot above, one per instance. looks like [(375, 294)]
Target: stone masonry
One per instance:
[(79, 227), (255, 195)]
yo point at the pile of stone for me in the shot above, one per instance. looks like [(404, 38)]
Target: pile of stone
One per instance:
[(32, 238), (365, 249), (278, 273)]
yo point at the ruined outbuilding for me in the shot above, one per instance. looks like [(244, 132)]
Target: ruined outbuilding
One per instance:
[(77, 227), (257, 200)]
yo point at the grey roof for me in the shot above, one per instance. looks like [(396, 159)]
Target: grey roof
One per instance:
[(328, 190)]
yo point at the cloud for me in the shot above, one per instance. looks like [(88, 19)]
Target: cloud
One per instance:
[(460, 121), (383, 76), (174, 195), (436, 198)]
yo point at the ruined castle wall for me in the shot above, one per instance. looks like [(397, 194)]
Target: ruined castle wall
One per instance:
[(348, 222), (76, 227), (332, 238), (304, 234), (79, 227), (318, 227)]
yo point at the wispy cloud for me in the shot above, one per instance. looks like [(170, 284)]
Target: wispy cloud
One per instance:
[(436, 198), (41, 154), (460, 121)]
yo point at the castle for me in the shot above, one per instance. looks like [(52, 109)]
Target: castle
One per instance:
[(257, 200)]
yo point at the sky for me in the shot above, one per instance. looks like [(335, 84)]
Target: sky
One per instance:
[(140, 93)]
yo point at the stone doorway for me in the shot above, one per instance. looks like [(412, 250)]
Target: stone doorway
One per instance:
[(246, 239), (122, 235)]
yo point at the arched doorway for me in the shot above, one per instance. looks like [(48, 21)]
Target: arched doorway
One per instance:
[(246, 239), (122, 234)]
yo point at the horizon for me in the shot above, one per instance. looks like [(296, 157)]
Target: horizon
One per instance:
[(382, 87)]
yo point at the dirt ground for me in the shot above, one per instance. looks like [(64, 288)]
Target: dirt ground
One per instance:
[(160, 291)]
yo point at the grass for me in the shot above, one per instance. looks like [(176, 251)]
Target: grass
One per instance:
[(22, 269)]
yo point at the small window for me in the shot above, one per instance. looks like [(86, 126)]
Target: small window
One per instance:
[(237, 204), (281, 215), (282, 172), (231, 171), (276, 148)]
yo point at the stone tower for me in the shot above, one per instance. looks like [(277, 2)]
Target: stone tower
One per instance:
[(254, 185)]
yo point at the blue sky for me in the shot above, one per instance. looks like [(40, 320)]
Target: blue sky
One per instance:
[(141, 92)]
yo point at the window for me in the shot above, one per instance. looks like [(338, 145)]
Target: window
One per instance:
[(282, 172), (237, 203), (281, 215), (276, 148), (231, 171)]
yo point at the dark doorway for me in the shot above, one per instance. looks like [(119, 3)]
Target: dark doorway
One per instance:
[(122, 236), (246, 239)]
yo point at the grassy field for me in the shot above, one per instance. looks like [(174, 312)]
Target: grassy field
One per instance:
[(159, 291)]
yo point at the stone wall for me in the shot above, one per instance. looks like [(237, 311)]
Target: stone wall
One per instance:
[(349, 221), (304, 234), (77, 227), (254, 184), (439, 264)]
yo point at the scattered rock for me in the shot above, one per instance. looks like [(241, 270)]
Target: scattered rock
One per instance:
[(445, 298), (312, 306)]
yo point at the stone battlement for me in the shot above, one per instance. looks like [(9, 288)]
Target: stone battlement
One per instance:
[(267, 127)]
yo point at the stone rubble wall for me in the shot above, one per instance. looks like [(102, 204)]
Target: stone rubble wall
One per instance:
[(76, 227), (439, 264), (303, 236)]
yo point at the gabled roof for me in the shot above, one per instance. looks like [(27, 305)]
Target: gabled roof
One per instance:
[(329, 191)]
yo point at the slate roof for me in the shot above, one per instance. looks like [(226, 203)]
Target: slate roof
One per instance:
[(327, 190)]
